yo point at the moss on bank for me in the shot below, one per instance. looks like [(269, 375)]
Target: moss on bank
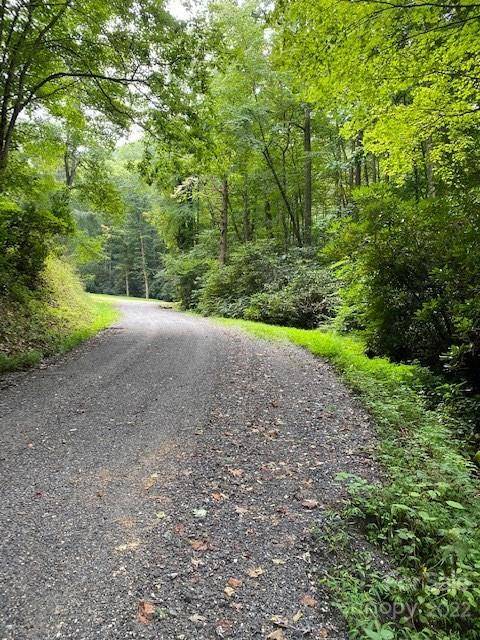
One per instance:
[(56, 317)]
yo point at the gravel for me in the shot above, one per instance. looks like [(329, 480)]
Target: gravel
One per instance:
[(162, 480)]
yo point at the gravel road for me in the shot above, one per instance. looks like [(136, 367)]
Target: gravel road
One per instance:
[(161, 481)]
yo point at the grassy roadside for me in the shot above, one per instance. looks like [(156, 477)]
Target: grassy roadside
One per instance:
[(53, 320), (425, 516), (113, 297)]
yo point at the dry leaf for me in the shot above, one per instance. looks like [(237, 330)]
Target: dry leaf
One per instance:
[(323, 633), (197, 618), (145, 612), (160, 515), (241, 510), (218, 497), (234, 582), (150, 481), (276, 635), (223, 628), (279, 621), (297, 616), (308, 600), (255, 572), (229, 592), (129, 546), (199, 545), (236, 473), (196, 562), (310, 504), (278, 561), (236, 605)]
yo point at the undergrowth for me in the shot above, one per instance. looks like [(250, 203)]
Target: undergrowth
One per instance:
[(424, 517), (52, 319)]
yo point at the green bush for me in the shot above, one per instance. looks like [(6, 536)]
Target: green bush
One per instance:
[(27, 231), (410, 272), (261, 282), (51, 319), (307, 300), (226, 290), (185, 272)]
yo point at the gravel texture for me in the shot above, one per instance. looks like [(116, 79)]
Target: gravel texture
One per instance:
[(161, 481)]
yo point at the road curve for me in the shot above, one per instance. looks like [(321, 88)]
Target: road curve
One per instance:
[(145, 470)]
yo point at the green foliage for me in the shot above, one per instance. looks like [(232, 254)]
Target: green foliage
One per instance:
[(52, 319), (259, 282), (186, 271), (410, 271), (307, 299), (27, 231), (425, 515)]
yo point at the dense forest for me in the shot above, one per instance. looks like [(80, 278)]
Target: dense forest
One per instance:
[(272, 181), (307, 163)]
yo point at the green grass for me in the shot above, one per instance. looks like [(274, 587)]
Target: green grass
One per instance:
[(164, 304), (52, 320), (425, 515)]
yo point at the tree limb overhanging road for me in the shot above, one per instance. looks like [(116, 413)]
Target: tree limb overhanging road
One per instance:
[(161, 482)]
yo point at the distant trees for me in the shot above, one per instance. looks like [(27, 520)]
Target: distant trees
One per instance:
[(341, 138)]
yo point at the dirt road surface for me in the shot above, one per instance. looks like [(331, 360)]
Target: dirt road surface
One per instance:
[(162, 481)]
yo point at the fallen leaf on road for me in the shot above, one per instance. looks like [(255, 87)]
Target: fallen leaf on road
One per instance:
[(241, 510), (278, 561), (310, 504), (308, 600), (145, 612), (276, 635), (198, 545), (234, 582), (218, 497), (255, 572), (229, 592), (150, 481), (279, 621), (223, 628), (236, 473), (197, 563), (297, 616), (196, 618), (200, 513), (129, 546), (160, 515)]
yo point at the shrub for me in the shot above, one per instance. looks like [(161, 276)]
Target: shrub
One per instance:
[(226, 290), (185, 272), (263, 283), (26, 234), (53, 318), (410, 272), (307, 300)]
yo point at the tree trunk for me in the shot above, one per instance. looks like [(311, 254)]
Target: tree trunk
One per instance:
[(283, 193), (247, 226), (222, 254), (427, 147), (144, 268), (127, 283), (268, 219), (307, 196), (357, 148)]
